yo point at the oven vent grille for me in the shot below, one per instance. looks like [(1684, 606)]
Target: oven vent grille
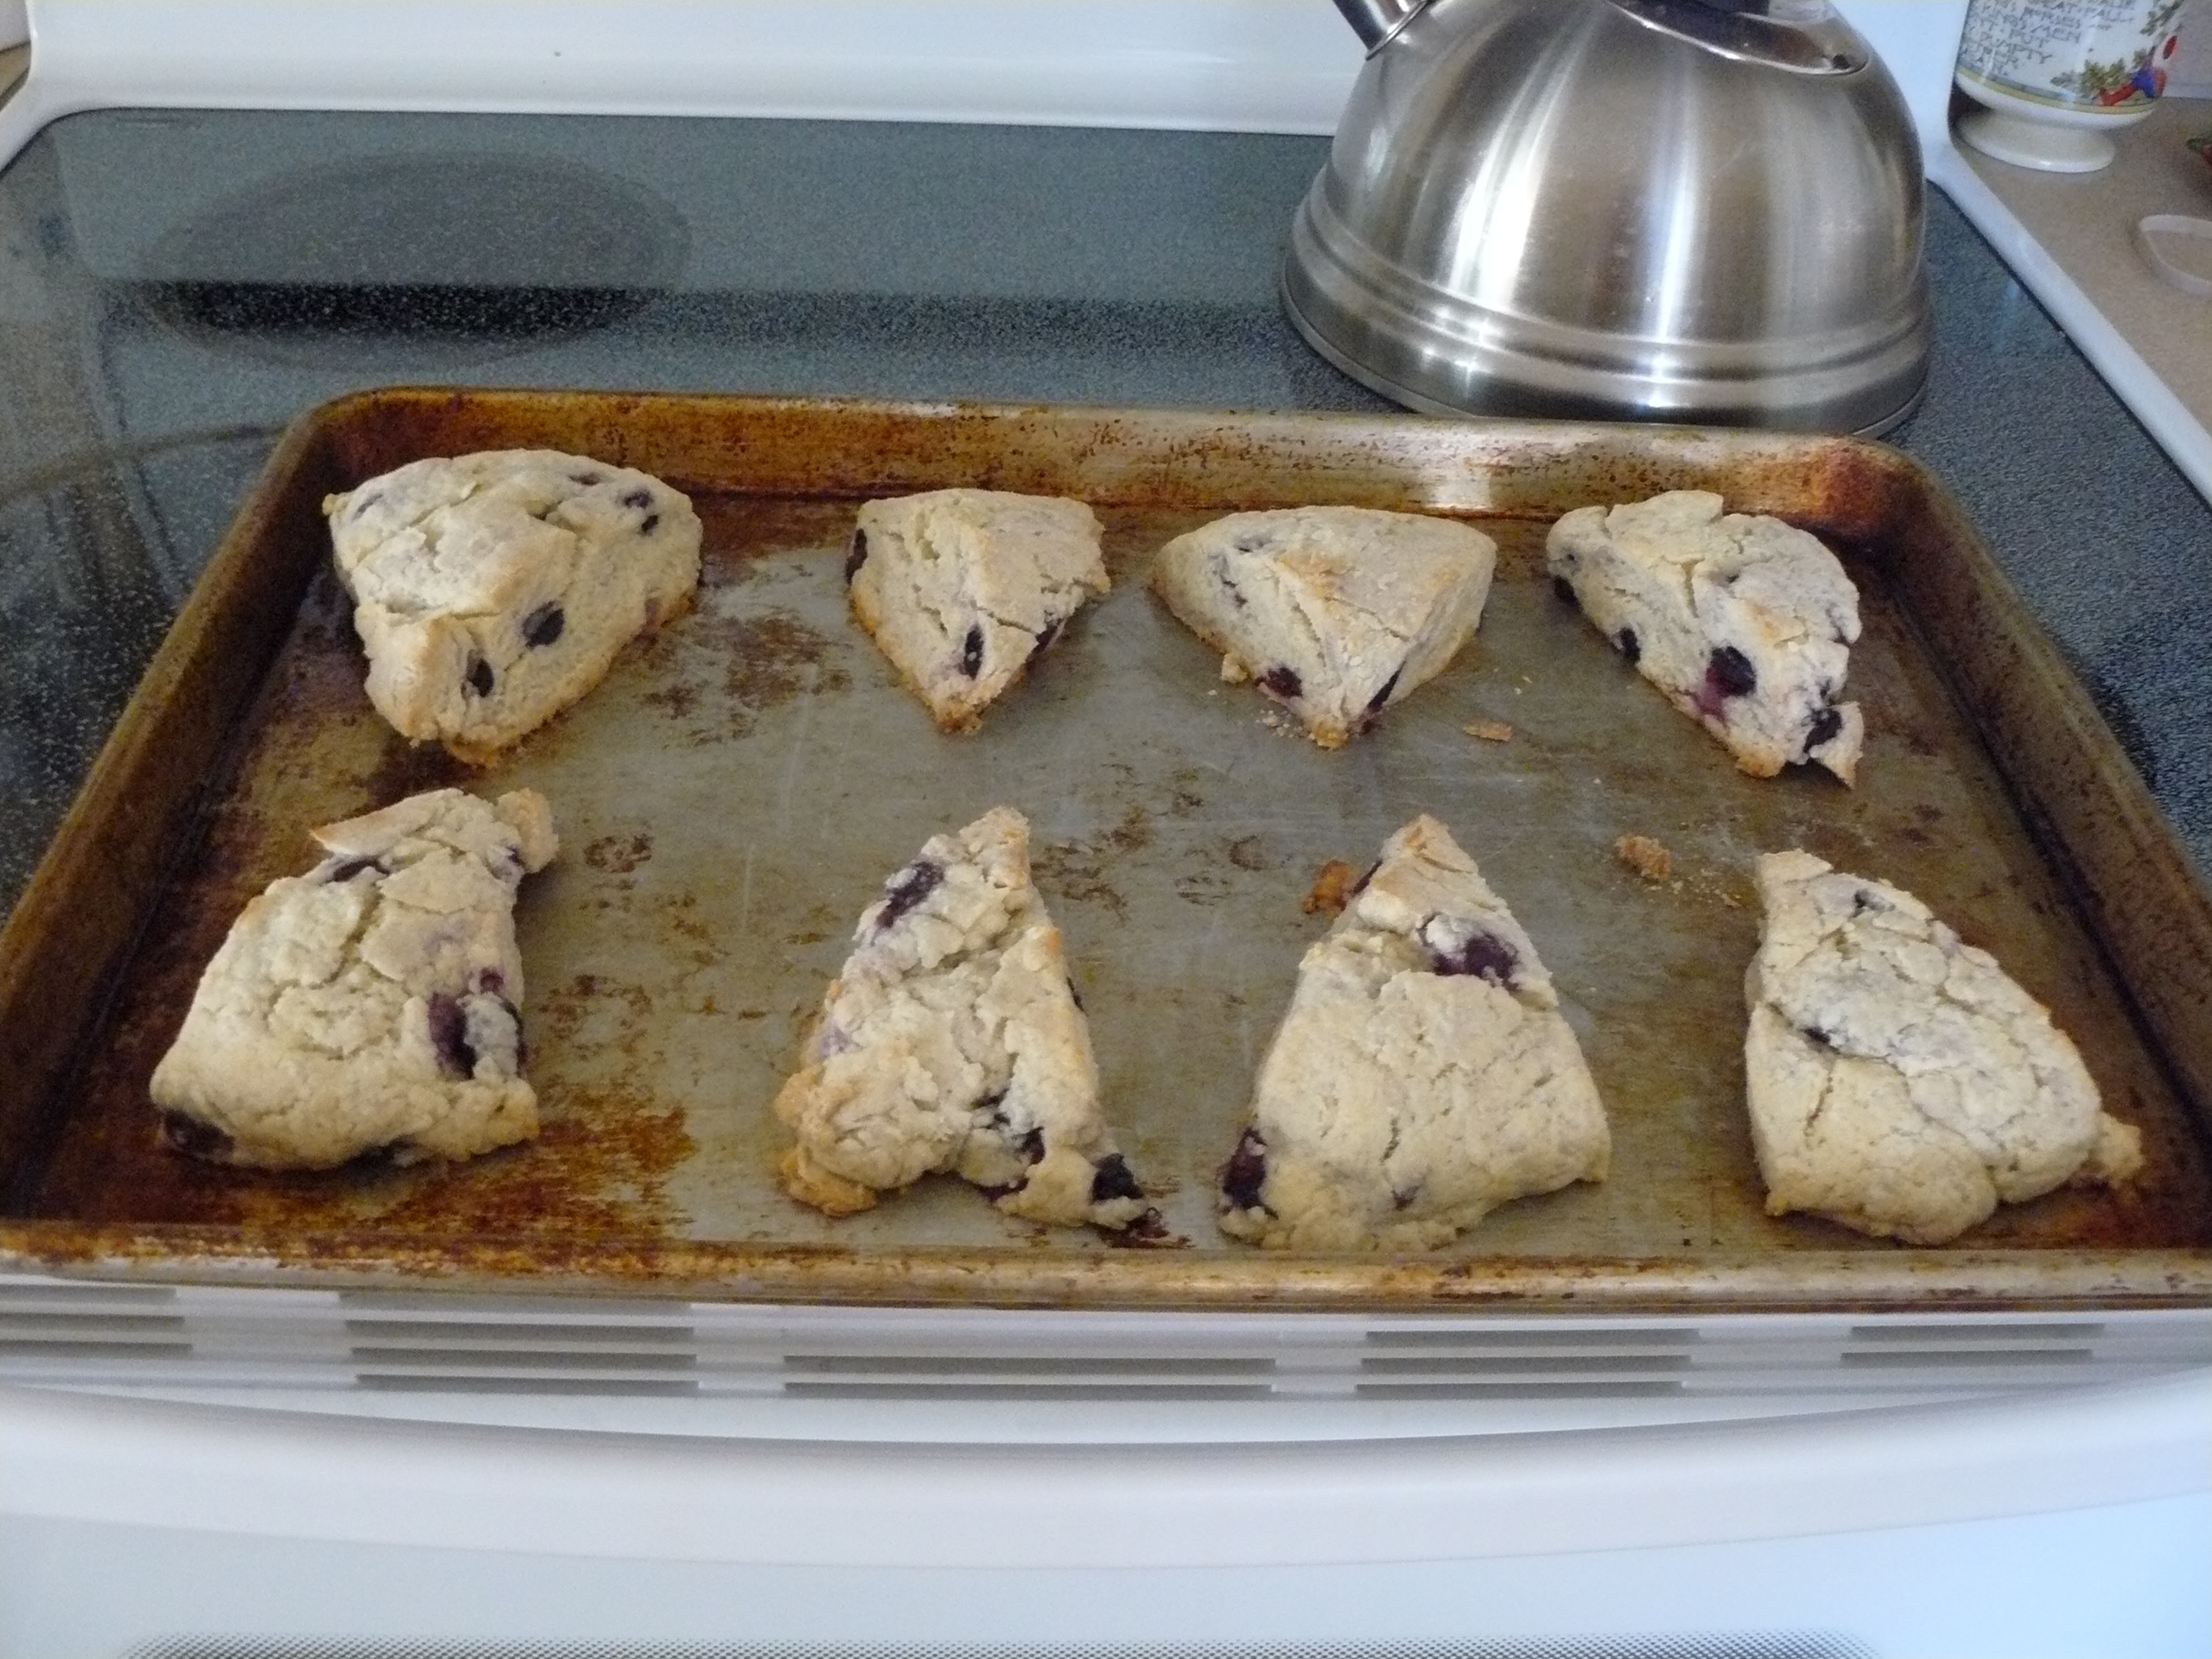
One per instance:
[(85, 1334)]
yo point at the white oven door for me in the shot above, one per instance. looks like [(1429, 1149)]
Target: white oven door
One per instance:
[(2064, 1523)]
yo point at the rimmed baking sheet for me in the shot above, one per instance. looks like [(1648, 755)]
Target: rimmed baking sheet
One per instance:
[(735, 792)]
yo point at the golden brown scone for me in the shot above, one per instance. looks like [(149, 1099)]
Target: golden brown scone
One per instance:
[(951, 1042), (371, 1004), (1423, 1076), (492, 590), (1899, 1082), (1337, 612), (962, 589), (1744, 621)]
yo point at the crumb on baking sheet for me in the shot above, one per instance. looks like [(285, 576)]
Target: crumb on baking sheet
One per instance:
[(1647, 857), (1332, 888), (1489, 731)]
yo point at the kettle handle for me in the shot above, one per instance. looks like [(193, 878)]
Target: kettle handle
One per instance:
[(1376, 23)]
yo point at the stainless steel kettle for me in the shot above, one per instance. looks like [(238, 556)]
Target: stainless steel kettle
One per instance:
[(1698, 210)]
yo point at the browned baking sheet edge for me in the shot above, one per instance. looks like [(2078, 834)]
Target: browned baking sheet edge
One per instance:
[(2082, 798), (2141, 893), (90, 895), (1900, 1279)]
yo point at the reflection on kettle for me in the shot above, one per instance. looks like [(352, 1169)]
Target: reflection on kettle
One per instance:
[(1699, 210)]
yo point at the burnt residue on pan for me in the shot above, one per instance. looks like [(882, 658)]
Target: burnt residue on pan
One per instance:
[(599, 1168), (619, 854), (721, 669)]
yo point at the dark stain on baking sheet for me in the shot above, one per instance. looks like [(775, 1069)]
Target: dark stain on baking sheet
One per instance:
[(735, 792), (1250, 853), (1076, 872), (622, 855), (716, 671), (599, 1168)]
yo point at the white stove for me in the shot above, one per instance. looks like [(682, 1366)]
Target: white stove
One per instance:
[(202, 1469)]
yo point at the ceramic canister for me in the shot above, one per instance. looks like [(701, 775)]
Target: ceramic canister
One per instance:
[(2051, 73)]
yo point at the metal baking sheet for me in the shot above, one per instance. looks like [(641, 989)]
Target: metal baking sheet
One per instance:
[(735, 792)]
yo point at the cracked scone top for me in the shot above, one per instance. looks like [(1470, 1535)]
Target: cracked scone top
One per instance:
[(1423, 1076), (962, 589), (1336, 611), (951, 1042), (1744, 623), (371, 1004), (492, 590), (1899, 1082)]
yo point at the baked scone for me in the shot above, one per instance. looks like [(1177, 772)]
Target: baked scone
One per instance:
[(951, 1041), (371, 1004), (491, 591), (1899, 1082), (1744, 623), (961, 589), (1337, 612), (1423, 1076)]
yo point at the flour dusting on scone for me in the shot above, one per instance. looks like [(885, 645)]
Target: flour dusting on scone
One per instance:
[(951, 1041), (492, 590), (1744, 623), (1423, 1076), (1336, 611), (1901, 1083), (371, 1004), (963, 589)]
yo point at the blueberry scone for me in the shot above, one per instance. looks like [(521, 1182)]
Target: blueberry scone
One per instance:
[(951, 1041), (1899, 1082), (491, 591), (962, 589), (1423, 1076), (371, 1004), (1337, 612), (1744, 623)]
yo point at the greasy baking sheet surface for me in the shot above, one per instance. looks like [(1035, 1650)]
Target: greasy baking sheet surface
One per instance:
[(736, 791)]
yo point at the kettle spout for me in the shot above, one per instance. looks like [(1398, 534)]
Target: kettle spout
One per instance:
[(1376, 23)]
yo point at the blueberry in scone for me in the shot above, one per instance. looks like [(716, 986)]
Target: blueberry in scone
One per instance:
[(492, 590), (951, 1041), (373, 1004), (1423, 1076), (1899, 1082), (1336, 611), (1744, 623), (962, 589)]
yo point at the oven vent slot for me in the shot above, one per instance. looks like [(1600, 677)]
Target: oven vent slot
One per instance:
[(378, 1382), (1998, 1353), (92, 1326), (1757, 1644), (523, 1355), (1608, 1362), (1025, 1376), (1525, 1377)]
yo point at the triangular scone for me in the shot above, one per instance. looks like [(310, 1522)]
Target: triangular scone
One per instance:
[(491, 591), (1337, 612), (962, 588), (1423, 1076), (1899, 1083), (371, 1004), (951, 1041), (1744, 623)]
